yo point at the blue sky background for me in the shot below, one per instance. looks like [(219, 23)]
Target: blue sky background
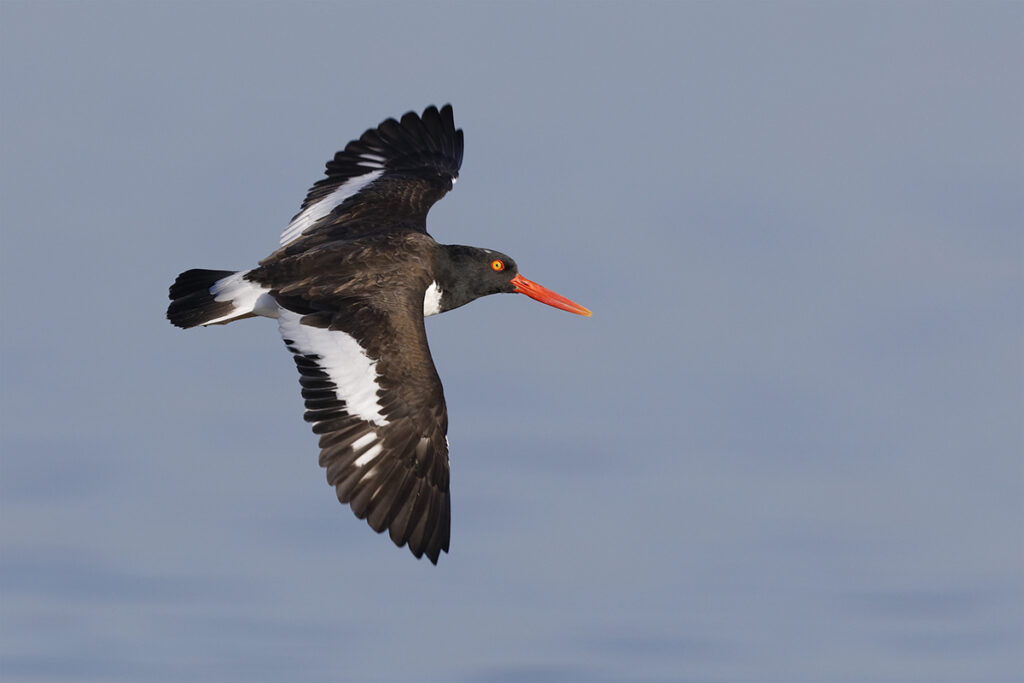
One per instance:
[(787, 447)]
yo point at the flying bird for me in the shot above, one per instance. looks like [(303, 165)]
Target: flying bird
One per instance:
[(350, 284)]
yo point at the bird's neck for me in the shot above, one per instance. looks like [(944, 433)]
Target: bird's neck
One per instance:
[(450, 287)]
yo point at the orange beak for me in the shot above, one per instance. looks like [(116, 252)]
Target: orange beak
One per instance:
[(546, 296)]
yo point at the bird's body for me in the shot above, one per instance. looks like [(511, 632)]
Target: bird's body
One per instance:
[(350, 285)]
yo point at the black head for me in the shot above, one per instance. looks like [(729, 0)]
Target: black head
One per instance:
[(467, 273)]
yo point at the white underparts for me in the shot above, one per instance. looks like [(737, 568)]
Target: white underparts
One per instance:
[(350, 369), (432, 300), (314, 212), (248, 298)]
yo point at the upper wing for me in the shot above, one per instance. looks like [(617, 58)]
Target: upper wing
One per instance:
[(388, 178), (374, 397)]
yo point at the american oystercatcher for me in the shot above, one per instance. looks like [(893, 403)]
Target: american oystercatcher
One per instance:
[(350, 285)]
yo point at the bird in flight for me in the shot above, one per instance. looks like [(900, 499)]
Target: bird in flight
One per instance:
[(354, 276)]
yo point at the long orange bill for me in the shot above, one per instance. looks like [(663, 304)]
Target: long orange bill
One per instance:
[(546, 296)]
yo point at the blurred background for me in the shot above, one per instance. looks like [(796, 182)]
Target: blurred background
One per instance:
[(787, 447)]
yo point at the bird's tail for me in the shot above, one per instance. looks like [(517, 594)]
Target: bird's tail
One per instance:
[(216, 297)]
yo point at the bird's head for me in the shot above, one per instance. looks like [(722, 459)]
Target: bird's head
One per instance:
[(471, 272)]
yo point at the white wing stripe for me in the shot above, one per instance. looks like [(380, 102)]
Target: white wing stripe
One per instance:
[(353, 373), (311, 214), (373, 160), (364, 440), (369, 455)]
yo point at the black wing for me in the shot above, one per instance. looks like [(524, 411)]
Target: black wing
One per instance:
[(374, 397), (387, 179)]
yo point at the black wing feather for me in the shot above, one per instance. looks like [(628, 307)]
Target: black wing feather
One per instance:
[(403, 485), (416, 161)]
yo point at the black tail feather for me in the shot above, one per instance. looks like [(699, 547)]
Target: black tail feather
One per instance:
[(191, 301)]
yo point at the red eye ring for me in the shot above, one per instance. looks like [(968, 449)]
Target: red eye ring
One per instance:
[(498, 265)]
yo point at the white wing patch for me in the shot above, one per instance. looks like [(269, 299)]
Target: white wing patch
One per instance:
[(371, 453), (352, 371), (311, 214), (364, 440), (373, 160), (432, 300)]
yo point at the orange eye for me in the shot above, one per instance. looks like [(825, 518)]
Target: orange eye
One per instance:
[(497, 264)]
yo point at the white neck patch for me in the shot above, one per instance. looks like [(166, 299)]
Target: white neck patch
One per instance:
[(432, 300)]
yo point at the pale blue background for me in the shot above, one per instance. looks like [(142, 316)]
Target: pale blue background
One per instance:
[(787, 447)]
